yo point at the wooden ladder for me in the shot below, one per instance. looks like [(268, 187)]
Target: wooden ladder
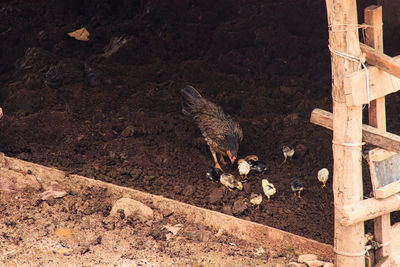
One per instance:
[(353, 88)]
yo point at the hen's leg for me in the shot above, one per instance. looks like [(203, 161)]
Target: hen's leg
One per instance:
[(221, 158), (217, 166)]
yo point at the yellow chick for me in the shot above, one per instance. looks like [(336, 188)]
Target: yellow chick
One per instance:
[(244, 168), (287, 153), (256, 199), (268, 188), (323, 175), (230, 181)]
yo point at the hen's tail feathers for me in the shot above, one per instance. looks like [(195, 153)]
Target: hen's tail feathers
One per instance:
[(190, 98)]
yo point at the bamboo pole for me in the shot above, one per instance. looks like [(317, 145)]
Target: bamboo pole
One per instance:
[(377, 118), (347, 132)]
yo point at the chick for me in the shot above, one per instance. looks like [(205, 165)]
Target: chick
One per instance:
[(251, 157), (213, 173), (323, 175), (297, 187), (259, 166), (244, 168), (287, 153), (230, 181), (256, 199), (268, 188)]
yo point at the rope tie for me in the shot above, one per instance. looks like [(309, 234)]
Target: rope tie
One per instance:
[(360, 61), (349, 144), (367, 248)]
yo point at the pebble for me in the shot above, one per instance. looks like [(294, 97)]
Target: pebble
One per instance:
[(215, 196), (310, 260), (239, 206), (296, 264), (307, 257), (128, 131), (132, 207)]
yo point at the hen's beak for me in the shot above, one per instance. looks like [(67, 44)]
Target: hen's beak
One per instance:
[(231, 158)]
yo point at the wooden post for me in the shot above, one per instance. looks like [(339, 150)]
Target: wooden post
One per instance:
[(377, 118), (347, 130)]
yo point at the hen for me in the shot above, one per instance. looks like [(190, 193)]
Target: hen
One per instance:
[(220, 131)]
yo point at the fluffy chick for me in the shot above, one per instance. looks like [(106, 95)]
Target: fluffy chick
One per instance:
[(256, 199), (287, 153), (259, 166), (268, 188), (244, 168), (230, 181), (323, 175), (213, 173), (297, 187)]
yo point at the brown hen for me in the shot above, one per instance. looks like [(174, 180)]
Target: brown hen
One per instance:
[(220, 131)]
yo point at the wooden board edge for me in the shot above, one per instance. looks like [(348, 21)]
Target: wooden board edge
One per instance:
[(387, 190)]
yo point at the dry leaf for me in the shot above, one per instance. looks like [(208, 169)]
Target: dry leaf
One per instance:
[(82, 34), (64, 232)]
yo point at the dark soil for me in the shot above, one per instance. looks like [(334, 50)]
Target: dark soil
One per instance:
[(110, 108)]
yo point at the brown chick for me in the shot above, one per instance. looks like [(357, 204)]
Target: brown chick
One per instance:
[(220, 131)]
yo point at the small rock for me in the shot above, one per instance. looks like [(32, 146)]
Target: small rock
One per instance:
[(132, 207), (329, 264), (239, 206), (259, 251), (216, 195), (315, 263), (52, 194), (301, 150), (201, 236), (307, 257), (128, 131), (296, 264)]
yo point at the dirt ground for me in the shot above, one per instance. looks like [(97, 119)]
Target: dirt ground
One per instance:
[(110, 109), (77, 223)]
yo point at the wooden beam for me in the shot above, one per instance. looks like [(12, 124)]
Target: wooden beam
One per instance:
[(387, 190), (377, 118), (369, 209), (347, 121), (381, 60), (381, 84), (370, 134)]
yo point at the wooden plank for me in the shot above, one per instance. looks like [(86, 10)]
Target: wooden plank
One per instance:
[(380, 60), (379, 154), (370, 134), (369, 209), (385, 170), (380, 84), (347, 174), (377, 118), (387, 190)]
